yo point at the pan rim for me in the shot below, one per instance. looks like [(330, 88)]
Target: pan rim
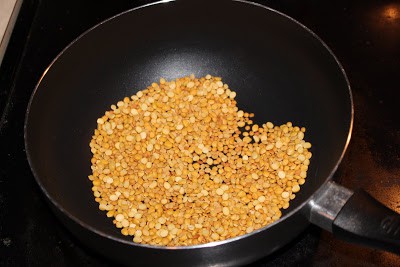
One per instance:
[(205, 245)]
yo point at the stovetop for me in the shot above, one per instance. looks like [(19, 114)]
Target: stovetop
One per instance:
[(365, 36)]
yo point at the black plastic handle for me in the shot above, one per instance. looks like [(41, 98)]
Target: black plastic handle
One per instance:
[(364, 220)]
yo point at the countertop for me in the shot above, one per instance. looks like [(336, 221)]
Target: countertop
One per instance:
[(9, 10), (364, 35)]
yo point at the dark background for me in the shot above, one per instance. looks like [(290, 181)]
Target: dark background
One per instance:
[(364, 35)]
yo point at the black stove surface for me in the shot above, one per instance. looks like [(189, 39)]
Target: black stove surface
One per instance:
[(365, 36)]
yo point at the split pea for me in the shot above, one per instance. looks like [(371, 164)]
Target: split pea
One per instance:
[(179, 164)]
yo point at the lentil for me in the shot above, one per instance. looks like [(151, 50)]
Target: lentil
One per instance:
[(179, 164)]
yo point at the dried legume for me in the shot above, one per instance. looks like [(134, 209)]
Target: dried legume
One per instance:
[(179, 164)]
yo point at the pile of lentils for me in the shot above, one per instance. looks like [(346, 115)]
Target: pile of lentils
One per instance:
[(179, 164)]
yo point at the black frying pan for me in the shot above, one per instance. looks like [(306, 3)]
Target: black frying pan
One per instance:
[(281, 72)]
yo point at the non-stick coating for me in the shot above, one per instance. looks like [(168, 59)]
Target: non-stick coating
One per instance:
[(280, 71)]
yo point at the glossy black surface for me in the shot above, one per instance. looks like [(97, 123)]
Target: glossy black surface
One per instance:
[(280, 71), (365, 37), (382, 223)]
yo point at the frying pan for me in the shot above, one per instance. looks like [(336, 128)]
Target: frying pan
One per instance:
[(280, 70)]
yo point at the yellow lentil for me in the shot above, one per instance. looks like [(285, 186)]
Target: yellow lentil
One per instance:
[(179, 164), (281, 174), (295, 188), (225, 210), (219, 191)]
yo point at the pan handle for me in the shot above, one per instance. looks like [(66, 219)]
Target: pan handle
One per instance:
[(355, 217)]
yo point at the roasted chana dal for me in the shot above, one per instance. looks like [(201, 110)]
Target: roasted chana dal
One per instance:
[(179, 164)]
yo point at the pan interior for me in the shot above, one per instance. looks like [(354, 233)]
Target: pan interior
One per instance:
[(280, 71)]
